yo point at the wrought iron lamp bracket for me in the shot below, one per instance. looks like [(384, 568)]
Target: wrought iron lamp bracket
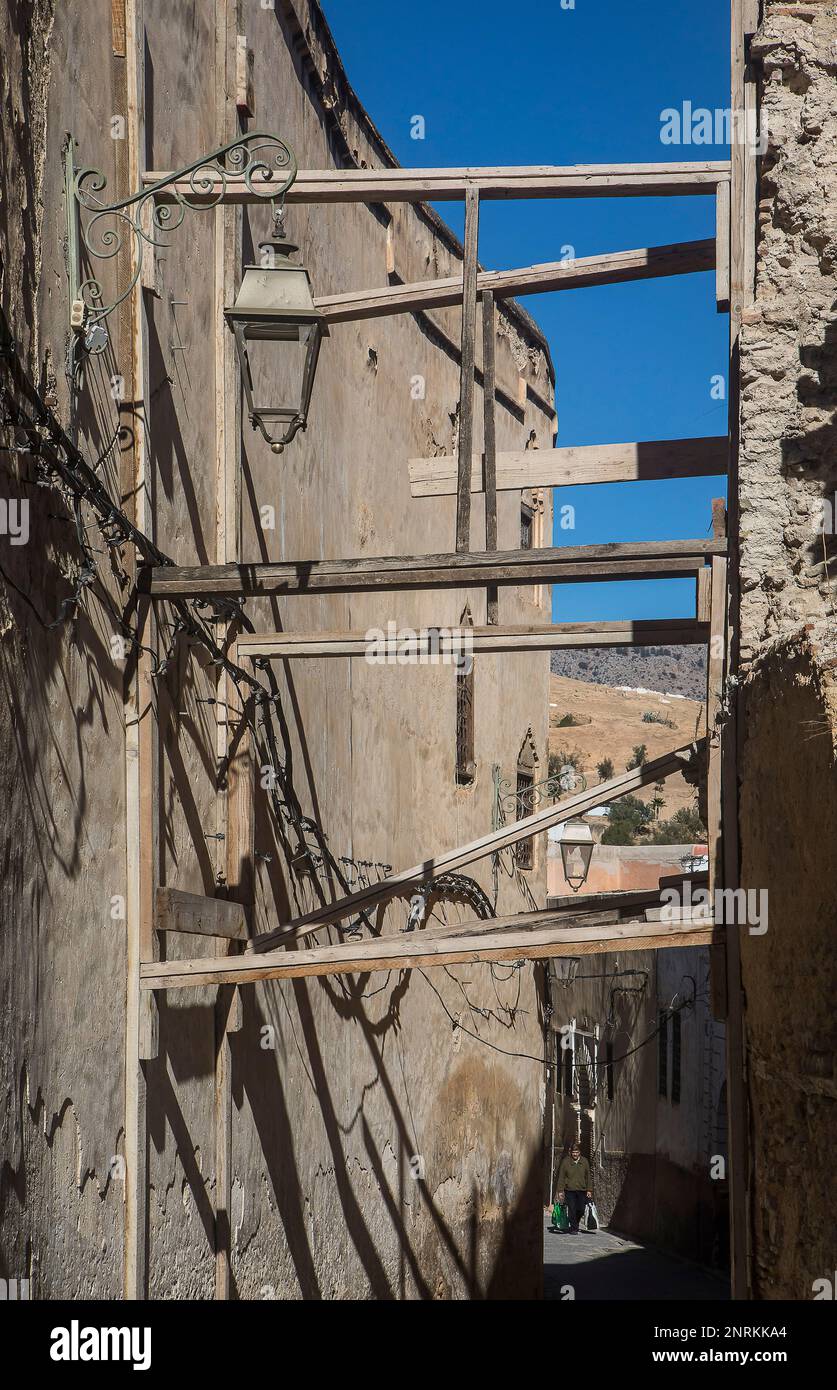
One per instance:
[(99, 230), (553, 788)]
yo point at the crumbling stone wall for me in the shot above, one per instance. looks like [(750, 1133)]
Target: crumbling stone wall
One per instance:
[(788, 808)]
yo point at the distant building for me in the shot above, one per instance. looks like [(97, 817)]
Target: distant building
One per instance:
[(637, 1077)]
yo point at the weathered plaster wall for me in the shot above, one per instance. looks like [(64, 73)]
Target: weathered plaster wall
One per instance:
[(788, 478), (61, 731), (378, 1149)]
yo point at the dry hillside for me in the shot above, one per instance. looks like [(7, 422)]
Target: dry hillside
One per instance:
[(611, 725), (681, 670)]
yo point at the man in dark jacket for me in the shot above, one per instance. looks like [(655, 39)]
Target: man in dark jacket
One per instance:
[(574, 1184)]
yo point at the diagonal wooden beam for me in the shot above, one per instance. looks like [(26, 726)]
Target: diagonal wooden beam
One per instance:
[(658, 770), (413, 950), (440, 185), (552, 565), (615, 268), (577, 465)]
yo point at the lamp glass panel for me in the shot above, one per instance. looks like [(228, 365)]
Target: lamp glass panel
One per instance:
[(576, 858), (277, 356)]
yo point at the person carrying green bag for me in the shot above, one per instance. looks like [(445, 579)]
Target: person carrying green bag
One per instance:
[(560, 1217), (574, 1184)]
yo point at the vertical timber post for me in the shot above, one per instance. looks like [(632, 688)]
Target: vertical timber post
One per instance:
[(227, 241), (715, 671), (743, 197), (141, 1032), (466, 380), (489, 390)]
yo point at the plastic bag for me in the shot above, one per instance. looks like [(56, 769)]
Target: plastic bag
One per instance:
[(591, 1217), (560, 1217)]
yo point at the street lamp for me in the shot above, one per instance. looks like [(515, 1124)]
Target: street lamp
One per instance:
[(275, 305), (576, 851)]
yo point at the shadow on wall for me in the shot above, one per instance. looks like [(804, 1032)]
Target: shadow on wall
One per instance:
[(790, 973), (494, 1252)]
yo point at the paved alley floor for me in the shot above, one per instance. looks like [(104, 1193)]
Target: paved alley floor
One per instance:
[(606, 1266)]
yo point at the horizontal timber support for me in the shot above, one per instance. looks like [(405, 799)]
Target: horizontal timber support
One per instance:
[(574, 466), (189, 912), (381, 646), (510, 939), (553, 565), (400, 185), (615, 268), (633, 901), (450, 860)]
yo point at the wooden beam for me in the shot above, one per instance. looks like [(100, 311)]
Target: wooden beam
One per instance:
[(489, 460), (715, 665), (240, 834), (722, 247), (189, 912), (682, 915), (141, 712), (450, 860), (227, 1011), (441, 185), (554, 565), (704, 595), (626, 900), (743, 164), (410, 950), (577, 465), (615, 268), (443, 644), (743, 203), (466, 371)]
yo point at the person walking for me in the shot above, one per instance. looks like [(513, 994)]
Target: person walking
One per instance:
[(574, 1184)]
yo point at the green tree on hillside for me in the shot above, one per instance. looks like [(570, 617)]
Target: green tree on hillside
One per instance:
[(640, 757), (629, 818), (684, 828)]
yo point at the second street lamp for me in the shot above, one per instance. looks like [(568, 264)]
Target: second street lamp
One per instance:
[(577, 846)]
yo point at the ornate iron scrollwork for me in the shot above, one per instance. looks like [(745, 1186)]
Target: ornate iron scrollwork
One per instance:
[(266, 165), (518, 803)]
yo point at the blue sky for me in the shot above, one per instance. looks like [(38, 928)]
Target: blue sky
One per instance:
[(576, 85)]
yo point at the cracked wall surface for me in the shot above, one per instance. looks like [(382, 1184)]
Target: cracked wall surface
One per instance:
[(788, 478)]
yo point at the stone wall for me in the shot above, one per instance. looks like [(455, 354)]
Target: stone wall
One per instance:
[(788, 477), (383, 1145)]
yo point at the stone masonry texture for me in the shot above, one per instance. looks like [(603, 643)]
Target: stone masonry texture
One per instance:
[(788, 809)]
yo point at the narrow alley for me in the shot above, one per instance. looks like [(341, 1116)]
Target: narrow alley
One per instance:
[(604, 1265)]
